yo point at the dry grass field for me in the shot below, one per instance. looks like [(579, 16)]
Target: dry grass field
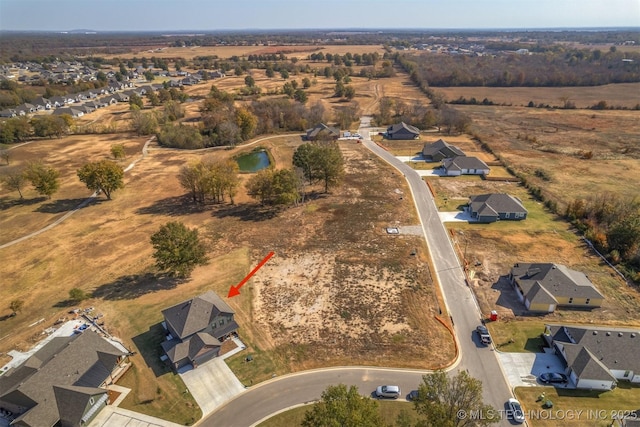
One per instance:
[(226, 52), (625, 95)]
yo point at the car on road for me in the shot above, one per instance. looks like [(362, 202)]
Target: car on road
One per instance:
[(553, 378), (413, 395), (483, 333), (388, 391), (515, 410)]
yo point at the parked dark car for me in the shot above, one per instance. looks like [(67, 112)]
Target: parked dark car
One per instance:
[(553, 378)]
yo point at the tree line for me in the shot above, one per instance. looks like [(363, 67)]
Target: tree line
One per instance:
[(612, 224), (574, 67)]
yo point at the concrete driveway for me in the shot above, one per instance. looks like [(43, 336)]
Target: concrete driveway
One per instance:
[(457, 216), (212, 384), (523, 369)]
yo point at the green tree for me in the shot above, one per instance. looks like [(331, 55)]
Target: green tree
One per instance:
[(349, 92), (77, 295), (117, 151), (49, 126), (306, 83), (277, 187), (320, 162), (328, 165), (303, 158), (135, 102), (249, 81), (343, 407), (16, 306), (247, 122), (102, 176), (43, 178), (178, 249), (148, 75), (153, 98), (144, 123), (441, 397), (300, 96)]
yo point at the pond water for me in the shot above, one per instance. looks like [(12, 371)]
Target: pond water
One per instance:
[(253, 162)]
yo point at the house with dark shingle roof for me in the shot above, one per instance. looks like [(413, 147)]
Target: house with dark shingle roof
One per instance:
[(596, 357), (463, 165), (494, 207), (440, 150), (196, 328), (544, 286), (402, 131), (322, 132), (64, 382)]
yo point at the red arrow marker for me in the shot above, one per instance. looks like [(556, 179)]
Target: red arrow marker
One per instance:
[(235, 290)]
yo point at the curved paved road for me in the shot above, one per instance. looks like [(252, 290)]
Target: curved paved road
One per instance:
[(481, 362)]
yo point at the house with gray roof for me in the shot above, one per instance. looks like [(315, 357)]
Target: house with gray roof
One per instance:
[(195, 330), (464, 165), (596, 358), (542, 287), (63, 383), (402, 131), (487, 208), (440, 150), (322, 132)]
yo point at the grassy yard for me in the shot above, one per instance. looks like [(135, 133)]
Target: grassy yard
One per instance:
[(577, 407), (388, 410), (517, 336)]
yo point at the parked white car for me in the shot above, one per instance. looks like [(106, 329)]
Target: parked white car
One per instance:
[(388, 391)]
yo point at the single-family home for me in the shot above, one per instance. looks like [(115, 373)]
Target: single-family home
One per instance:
[(402, 131), (216, 74), (9, 112), (72, 111), (64, 382), (596, 357), (195, 330), (440, 150), (464, 165), (494, 207), (43, 103), (322, 132), (544, 286)]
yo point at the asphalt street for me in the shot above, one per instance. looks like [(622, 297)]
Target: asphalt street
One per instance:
[(260, 401)]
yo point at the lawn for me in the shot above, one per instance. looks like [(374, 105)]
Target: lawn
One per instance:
[(577, 407), (388, 410), (517, 336)]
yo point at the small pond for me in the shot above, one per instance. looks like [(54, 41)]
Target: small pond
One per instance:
[(253, 162)]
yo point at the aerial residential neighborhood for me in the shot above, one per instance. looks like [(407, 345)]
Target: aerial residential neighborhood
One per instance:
[(209, 221)]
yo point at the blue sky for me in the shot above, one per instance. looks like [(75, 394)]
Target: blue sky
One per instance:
[(211, 15)]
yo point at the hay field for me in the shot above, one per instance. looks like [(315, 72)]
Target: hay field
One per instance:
[(626, 95)]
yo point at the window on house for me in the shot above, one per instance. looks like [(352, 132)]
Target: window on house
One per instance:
[(570, 300), (221, 322), (507, 215), (627, 373)]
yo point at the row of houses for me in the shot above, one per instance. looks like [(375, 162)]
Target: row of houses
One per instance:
[(82, 103)]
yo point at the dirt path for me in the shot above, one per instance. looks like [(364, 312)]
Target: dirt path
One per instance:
[(145, 152)]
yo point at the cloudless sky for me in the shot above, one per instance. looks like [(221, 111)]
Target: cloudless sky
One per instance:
[(211, 15)]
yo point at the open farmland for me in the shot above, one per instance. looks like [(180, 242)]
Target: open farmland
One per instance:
[(625, 95)]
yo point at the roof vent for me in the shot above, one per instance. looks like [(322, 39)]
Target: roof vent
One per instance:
[(633, 335), (595, 332), (619, 334), (608, 333)]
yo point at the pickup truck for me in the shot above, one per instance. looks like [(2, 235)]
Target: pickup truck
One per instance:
[(483, 333)]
